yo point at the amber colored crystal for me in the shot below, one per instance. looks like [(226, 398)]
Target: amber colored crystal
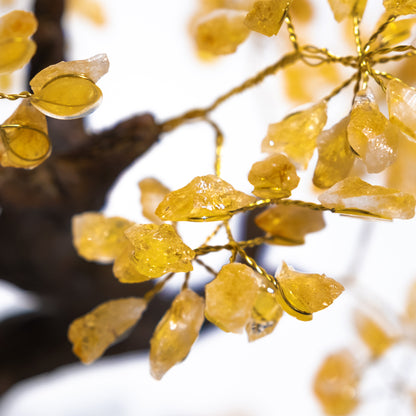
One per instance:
[(98, 238), (301, 11), (289, 223), (296, 134), (24, 138), (347, 8), (205, 198), (336, 384), (90, 9), (354, 194), (267, 16), (307, 292), (221, 32), (335, 156), (176, 332), (396, 32), (152, 193), (67, 90), (94, 332), (231, 296), (158, 249), (400, 7), (401, 100)]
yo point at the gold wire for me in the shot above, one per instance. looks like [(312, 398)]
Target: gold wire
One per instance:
[(357, 36), (378, 32), (157, 288), (337, 90), (213, 234), (292, 34), (186, 280), (209, 269), (219, 143), (409, 54), (13, 97)]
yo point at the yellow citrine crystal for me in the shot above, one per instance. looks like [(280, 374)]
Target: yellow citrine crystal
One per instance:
[(231, 296), (401, 101), (205, 198), (274, 177), (354, 194), (302, 11), (221, 32), (98, 238), (158, 249), (152, 193), (176, 332), (67, 90), (307, 292), (371, 135), (94, 332), (289, 223), (24, 138), (90, 9), (396, 32), (296, 134), (16, 49), (336, 384), (377, 338), (347, 8), (400, 7), (335, 156), (267, 16)]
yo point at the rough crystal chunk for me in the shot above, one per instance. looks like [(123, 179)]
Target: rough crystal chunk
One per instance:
[(347, 8), (152, 193), (290, 223), (335, 156), (354, 194), (220, 32), (336, 384), (401, 100), (231, 296), (176, 332), (371, 135), (274, 177), (94, 332), (158, 249), (90, 9), (296, 134), (267, 16), (400, 7), (205, 198), (24, 138), (67, 90), (98, 238)]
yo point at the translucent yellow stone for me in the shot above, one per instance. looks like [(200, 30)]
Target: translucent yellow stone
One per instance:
[(267, 16), (296, 134), (335, 156), (307, 292), (176, 332), (400, 7), (401, 100), (301, 11), (90, 9), (354, 194), (205, 198), (67, 90), (231, 296), (152, 193), (347, 8), (396, 32), (274, 177), (410, 311), (158, 249), (221, 32), (377, 338), (94, 332), (289, 223), (98, 238), (336, 384), (17, 24), (24, 138)]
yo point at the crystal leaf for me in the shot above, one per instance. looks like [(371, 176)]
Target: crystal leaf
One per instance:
[(336, 384), (158, 249), (401, 100), (94, 332), (274, 177), (98, 238), (267, 16), (335, 156), (205, 198), (220, 32), (152, 193), (308, 292), (296, 134), (400, 7), (354, 193), (67, 90), (231, 296), (176, 332), (24, 138), (290, 223), (371, 135), (347, 8)]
